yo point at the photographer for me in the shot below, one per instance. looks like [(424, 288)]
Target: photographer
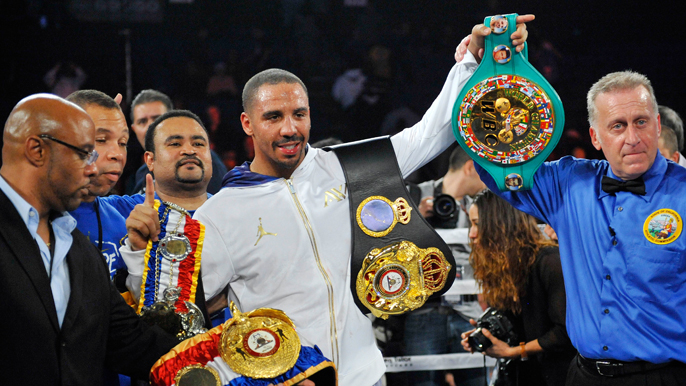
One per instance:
[(436, 327), (520, 275), (444, 202)]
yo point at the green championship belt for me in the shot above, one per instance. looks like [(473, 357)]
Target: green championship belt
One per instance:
[(507, 117)]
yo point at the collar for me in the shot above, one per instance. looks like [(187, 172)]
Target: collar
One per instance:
[(651, 178), (29, 214), (242, 176)]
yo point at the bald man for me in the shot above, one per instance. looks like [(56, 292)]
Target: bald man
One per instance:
[(63, 319)]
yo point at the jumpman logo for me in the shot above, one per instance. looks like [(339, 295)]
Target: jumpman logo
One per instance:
[(261, 232)]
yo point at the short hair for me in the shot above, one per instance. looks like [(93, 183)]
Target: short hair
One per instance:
[(84, 98), (271, 76), (669, 117), (668, 136), (616, 81), (150, 134), (458, 158), (149, 96)]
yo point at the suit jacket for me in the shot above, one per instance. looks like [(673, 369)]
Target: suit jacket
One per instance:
[(99, 328)]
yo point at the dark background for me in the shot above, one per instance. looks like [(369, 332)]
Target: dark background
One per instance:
[(174, 47)]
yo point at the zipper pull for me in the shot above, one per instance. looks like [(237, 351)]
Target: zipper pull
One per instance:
[(290, 185)]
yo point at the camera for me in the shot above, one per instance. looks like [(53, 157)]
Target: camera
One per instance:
[(445, 212), (500, 326)]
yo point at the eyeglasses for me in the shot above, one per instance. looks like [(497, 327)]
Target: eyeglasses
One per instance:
[(88, 156)]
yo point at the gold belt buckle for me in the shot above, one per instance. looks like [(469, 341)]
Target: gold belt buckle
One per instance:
[(260, 343), (400, 277)]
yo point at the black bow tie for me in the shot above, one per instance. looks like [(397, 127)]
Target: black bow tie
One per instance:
[(612, 186)]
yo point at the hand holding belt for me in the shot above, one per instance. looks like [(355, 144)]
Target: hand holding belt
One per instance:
[(508, 118)]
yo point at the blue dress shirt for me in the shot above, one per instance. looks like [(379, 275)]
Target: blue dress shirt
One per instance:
[(61, 227), (626, 296)]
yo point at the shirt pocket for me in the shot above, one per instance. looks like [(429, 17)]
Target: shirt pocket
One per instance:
[(653, 274)]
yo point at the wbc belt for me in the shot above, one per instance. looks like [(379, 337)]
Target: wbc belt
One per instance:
[(398, 260), (507, 117)]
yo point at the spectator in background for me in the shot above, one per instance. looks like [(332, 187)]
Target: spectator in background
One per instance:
[(147, 106), (461, 182), (520, 274), (65, 78), (225, 140), (669, 117), (221, 83), (374, 102), (667, 144)]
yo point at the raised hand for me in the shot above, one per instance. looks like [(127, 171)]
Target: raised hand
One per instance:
[(479, 33), (143, 223)]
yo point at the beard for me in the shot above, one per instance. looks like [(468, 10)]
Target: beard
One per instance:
[(190, 180), (293, 160)]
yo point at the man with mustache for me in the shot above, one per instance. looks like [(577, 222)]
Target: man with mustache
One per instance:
[(146, 107), (178, 157), (66, 320)]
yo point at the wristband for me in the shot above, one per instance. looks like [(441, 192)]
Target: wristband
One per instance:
[(524, 355)]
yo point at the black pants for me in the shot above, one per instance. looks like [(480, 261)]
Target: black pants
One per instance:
[(672, 375)]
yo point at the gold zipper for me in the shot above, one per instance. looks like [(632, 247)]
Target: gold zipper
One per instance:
[(332, 315)]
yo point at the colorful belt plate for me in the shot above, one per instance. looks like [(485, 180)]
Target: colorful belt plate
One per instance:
[(400, 277), (259, 344), (508, 117)]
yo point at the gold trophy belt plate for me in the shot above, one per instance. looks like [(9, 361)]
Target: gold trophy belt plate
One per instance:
[(400, 277), (259, 344)]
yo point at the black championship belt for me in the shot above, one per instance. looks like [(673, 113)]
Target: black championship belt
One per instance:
[(398, 261)]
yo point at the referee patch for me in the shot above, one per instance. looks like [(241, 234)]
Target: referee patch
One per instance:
[(663, 226)]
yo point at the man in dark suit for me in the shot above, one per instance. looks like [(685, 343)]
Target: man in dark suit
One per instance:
[(63, 321)]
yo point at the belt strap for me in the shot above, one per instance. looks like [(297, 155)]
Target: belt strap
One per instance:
[(371, 169), (613, 368)]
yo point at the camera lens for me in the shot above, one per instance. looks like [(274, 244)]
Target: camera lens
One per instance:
[(478, 341), (444, 206)]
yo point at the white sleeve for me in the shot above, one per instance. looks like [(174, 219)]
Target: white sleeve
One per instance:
[(134, 263), (216, 267), (416, 146)]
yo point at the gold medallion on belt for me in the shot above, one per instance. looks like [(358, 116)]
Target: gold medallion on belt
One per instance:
[(260, 343), (400, 277)]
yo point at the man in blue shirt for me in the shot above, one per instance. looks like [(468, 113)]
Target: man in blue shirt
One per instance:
[(623, 254), (103, 225)]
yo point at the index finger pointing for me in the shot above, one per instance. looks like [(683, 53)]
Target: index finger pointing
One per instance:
[(149, 191)]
